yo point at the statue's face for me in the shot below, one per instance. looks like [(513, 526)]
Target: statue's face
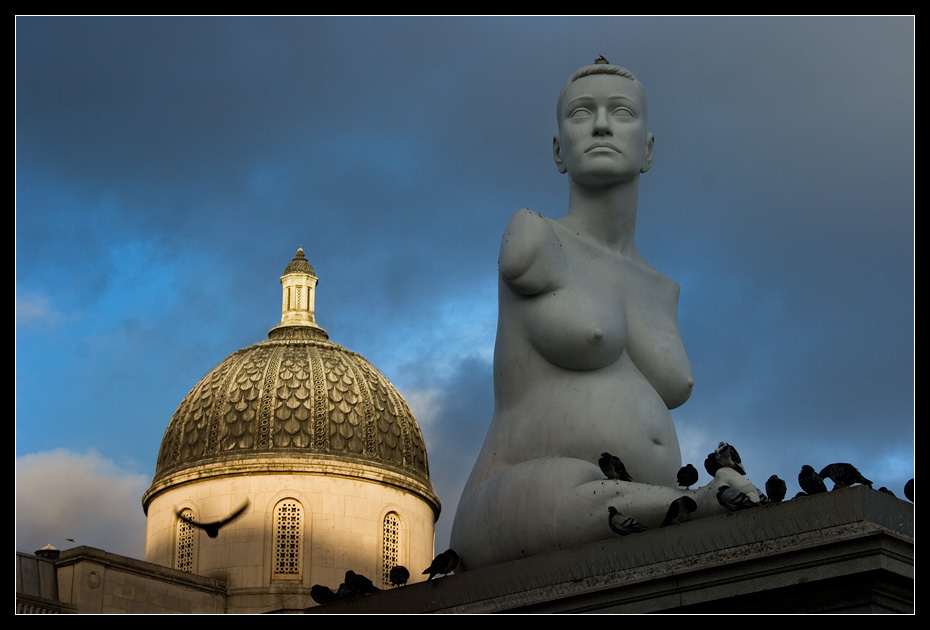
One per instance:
[(602, 135)]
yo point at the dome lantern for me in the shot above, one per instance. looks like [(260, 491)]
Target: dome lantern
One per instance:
[(298, 295)]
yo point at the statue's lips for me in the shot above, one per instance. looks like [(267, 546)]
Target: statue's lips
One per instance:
[(602, 145)]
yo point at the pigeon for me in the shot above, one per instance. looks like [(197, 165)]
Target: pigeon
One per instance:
[(323, 594), (776, 488), (729, 477), (734, 500), (399, 575), (687, 476), (679, 511), (711, 465), (443, 564), (844, 475), (909, 490), (613, 468), (213, 529), (727, 456), (810, 481), (887, 491), (621, 524), (359, 583)]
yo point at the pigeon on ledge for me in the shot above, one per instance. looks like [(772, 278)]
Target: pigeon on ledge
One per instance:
[(810, 481), (622, 524), (844, 475)]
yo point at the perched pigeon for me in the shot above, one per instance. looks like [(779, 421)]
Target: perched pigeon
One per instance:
[(776, 488), (687, 476), (729, 477), (354, 586), (359, 583), (734, 500), (622, 524), (679, 511), (887, 491), (727, 456), (213, 529), (443, 564), (613, 468), (810, 481), (909, 490), (711, 465), (323, 594), (844, 475), (399, 575)]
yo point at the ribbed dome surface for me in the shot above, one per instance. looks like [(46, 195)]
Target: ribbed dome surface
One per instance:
[(295, 394)]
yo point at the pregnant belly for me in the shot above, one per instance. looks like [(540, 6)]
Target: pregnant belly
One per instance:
[(580, 415)]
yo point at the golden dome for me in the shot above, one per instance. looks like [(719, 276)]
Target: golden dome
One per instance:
[(295, 402)]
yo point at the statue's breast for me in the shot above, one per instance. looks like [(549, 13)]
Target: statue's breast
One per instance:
[(580, 325)]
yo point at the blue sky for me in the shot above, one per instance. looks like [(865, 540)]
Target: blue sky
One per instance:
[(168, 168)]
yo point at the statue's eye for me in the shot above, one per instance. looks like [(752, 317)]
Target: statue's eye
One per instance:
[(580, 112), (623, 112)]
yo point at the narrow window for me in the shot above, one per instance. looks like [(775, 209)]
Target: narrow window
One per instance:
[(288, 528), (390, 546), (184, 558)]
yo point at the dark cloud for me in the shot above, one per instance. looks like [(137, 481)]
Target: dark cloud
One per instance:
[(456, 401)]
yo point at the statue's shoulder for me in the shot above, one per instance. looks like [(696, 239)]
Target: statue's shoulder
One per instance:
[(526, 227), (527, 248)]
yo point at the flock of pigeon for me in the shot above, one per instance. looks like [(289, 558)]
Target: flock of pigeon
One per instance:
[(733, 498), (356, 584)]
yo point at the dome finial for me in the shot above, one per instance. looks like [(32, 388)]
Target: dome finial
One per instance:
[(298, 287), (299, 264)]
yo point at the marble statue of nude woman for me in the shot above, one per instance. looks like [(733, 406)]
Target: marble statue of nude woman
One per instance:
[(588, 358)]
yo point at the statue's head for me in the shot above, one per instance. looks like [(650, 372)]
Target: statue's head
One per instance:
[(603, 134)]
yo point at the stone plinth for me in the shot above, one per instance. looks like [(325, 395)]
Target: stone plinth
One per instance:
[(850, 551)]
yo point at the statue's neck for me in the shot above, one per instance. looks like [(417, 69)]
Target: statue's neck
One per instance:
[(606, 214)]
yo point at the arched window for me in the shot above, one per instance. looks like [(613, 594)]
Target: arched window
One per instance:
[(184, 537), (390, 546), (288, 534)]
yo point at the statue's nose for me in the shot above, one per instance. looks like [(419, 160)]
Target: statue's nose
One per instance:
[(602, 122)]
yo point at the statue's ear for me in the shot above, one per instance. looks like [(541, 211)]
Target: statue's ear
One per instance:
[(650, 147), (557, 154)]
